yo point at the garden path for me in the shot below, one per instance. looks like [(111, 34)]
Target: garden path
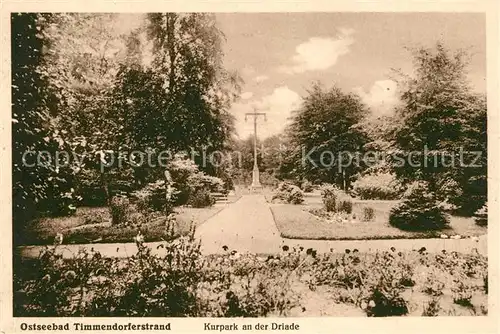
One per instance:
[(245, 226), (248, 226)]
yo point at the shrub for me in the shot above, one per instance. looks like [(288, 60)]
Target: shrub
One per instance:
[(201, 198), (296, 196), (418, 211), (432, 308), (181, 168), (382, 291), (307, 186), (288, 193), (328, 190), (90, 188), (268, 179), (329, 196), (330, 203), (485, 283), (119, 207), (368, 214), (344, 204), (201, 180), (96, 216), (381, 186), (153, 197), (181, 282), (334, 199), (462, 293), (481, 215), (386, 300)]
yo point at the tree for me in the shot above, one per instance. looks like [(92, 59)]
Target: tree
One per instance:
[(442, 116), (29, 115), (324, 136), (180, 100), (86, 88)]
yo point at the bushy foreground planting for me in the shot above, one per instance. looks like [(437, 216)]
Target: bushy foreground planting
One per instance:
[(177, 280)]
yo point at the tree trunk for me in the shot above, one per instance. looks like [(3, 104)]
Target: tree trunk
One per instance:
[(105, 185)]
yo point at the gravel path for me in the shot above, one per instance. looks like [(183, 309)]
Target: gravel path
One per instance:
[(248, 226)]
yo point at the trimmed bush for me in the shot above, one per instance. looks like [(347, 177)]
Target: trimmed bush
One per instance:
[(119, 207), (288, 193), (419, 211), (381, 186), (368, 214)]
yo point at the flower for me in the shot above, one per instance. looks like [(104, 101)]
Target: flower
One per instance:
[(46, 278), (285, 248), (139, 238), (58, 239), (70, 275), (225, 248), (309, 251), (235, 255), (347, 251), (393, 249), (400, 254), (421, 250), (371, 303), (363, 305), (355, 250)]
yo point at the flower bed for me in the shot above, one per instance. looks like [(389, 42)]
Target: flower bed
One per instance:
[(296, 282)]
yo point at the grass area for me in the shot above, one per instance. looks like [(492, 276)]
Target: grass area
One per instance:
[(295, 222), (93, 225)]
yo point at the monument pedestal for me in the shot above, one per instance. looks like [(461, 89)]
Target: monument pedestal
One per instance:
[(255, 179)]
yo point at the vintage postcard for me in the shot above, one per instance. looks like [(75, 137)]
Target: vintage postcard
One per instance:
[(255, 166)]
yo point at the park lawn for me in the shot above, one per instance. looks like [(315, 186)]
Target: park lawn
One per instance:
[(295, 222), (78, 229)]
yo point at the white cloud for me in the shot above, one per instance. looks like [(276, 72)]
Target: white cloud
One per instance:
[(320, 53), (277, 106), (260, 78), (382, 97), (246, 95)]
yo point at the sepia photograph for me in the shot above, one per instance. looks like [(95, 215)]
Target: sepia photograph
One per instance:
[(251, 164)]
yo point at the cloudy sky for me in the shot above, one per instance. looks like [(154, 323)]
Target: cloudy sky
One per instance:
[(279, 56)]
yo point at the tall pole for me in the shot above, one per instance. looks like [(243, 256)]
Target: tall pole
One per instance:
[(255, 172)]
